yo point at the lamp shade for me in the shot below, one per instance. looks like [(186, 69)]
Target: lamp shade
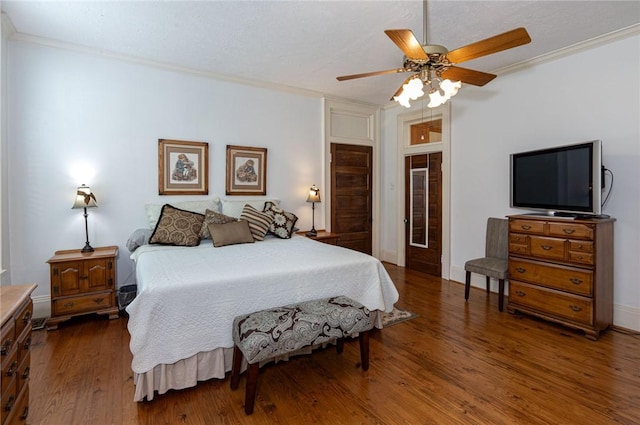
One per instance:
[(314, 194), (84, 198)]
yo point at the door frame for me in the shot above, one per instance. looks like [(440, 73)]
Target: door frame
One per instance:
[(404, 123), (353, 123)]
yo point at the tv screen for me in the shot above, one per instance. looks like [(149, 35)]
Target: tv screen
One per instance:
[(563, 179)]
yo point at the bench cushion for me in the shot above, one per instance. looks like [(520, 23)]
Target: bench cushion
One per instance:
[(269, 333)]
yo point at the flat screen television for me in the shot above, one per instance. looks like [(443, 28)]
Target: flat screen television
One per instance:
[(562, 181)]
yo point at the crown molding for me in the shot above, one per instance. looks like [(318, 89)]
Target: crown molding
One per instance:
[(16, 36)]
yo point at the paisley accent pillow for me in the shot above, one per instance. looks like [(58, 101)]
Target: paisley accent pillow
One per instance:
[(283, 221), (177, 227), (213, 217), (259, 221)]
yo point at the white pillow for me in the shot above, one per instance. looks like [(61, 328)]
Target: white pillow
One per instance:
[(233, 207), (153, 210)]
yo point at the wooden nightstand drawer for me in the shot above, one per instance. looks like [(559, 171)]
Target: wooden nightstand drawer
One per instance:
[(555, 303), (9, 370), (82, 303)]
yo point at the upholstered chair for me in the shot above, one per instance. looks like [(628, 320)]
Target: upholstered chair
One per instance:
[(494, 264)]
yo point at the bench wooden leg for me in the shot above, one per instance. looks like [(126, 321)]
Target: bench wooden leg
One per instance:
[(252, 386), (364, 349), (500, 294), (467, 285), (235, 367), (340, 345)]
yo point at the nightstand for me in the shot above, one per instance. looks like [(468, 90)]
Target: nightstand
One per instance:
[(82, 283), (324, 237)]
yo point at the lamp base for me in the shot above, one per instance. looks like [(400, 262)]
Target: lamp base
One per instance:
[(87, 248), (312, 232)]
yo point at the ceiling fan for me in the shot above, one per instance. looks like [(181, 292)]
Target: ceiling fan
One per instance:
[(431, 63)]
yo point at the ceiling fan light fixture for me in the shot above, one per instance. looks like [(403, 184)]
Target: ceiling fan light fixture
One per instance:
[(450, 88), (436, 98), (412, 90)]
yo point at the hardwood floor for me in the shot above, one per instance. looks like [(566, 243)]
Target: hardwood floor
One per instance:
[(457, 363)]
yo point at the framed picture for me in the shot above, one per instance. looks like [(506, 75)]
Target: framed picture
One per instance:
[(183, 167), (246, 170)]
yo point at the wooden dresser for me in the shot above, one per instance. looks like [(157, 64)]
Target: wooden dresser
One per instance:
[(16, 311), (562, 270), (82, 283)]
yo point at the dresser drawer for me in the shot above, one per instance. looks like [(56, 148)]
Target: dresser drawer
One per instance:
[(23, 318), (82, 303), (572, 307), (24, 370), (548, 248), (20, 409), (9, 371), (24, 345), (8, 400), (527, 226), (572, 230), (7, 339), (574, 280)]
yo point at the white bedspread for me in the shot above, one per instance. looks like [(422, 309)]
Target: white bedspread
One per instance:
[(187, 297)]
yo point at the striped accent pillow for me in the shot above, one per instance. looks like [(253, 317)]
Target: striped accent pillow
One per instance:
[(259, 221)]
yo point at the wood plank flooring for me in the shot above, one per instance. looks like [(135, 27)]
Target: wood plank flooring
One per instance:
[(457, 363)]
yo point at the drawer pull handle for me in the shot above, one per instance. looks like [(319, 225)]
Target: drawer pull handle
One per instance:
[(25, 413), (579, 246), (26, 318), (575, 281), (68, 305), (568, 231), (526, 227), (12, 368), (27, 344), (520, 293), (25, 374), (575, 308), (98, 300), (5, 346), (521, 269), (9, 405), (546, 247)]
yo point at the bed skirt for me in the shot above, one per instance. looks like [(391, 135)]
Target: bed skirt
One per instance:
[(186, 373)]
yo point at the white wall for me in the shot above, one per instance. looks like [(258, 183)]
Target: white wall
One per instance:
[(590, 94), (69, 110)]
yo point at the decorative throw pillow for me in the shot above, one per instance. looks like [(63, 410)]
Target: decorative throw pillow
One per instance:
[(283, 221), (212, 217), (259, 221), (153, 210), (177, 227), (231, 233)]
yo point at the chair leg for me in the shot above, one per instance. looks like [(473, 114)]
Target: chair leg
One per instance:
[(340, 345), (467, 285), (252, 385), (364, 350), (235, 367), (500, 294), (488, 279)]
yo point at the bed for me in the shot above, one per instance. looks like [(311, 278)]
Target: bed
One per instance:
[(180, 322)]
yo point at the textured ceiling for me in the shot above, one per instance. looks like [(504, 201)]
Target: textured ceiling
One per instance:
[(306, 44)]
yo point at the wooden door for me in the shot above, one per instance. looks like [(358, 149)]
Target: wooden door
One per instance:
[(423, 213), (351, 195)]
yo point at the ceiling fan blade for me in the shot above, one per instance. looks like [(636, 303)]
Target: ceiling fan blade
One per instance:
[(371, 74), (407, 42), (497, 43), (397, 93), (469, 76)]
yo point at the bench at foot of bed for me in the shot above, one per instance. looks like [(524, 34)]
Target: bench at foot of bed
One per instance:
[(267, 334)]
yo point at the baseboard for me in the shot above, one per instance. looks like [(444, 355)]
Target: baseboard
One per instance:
[(41, 306)]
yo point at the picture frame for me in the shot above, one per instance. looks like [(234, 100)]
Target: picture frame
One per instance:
[(183, 167), (246, 171)]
